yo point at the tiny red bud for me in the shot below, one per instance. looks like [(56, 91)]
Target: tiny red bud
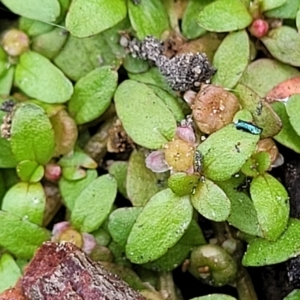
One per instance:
[(52, 172), (259, 28)]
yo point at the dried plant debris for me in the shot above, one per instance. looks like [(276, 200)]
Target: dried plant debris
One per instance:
[(182, 71), (118, 139), (63, 271), (8, 107)]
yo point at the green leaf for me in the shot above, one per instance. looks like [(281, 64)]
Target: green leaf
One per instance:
[(257, 164), (176, 105), (153, 77), (292, 107), (9, 272), (155, 124), (3, 61), (162, 222), (284, 44), (49, 44), (261, 252), (211, 201), (15, 232), (263, 114), (27, 201), (294, 295), (76, 159), (231, 59), (214, 297), (102, 237), (79, 56), (73, 173), (190, 27), (33, 27), (148, 18), (298, 20), (141, 182), (119, 171), (221, 159), (6, 81), (222, 16), (178, 253), (30, 171), (263, 74), (286, 11), (243, 214), (32, 136), (39, 78), (183, 184), (94, 203), (93, 94), (271, 4), (83, 17), (70, 190), (133, 65), (287, 136), (271, 202), (120, 223), (45, 11)]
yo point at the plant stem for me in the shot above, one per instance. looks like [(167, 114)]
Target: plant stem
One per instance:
[(244, 285), (167, 287)]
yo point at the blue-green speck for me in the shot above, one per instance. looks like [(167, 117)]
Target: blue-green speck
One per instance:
[(248, 127)]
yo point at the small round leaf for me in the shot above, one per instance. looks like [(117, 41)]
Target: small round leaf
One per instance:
[(69, 190), (39, 78), (261, 252), (9, 272), (284, 44), (231, 59), (148, 18), (271, 202), (243, 214), (159, 226), (211, 201), (223, 15), (225, 151), (32, 136), (183, 184), (94, 203), (86, 18), (120, 223), (287, 136), (145, 117), (29, 170), (141, 182), (292, 109), (27, 201), (263, 74), (15, 232), (45, 11), (93, 94)]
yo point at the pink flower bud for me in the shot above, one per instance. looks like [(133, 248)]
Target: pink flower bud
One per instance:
[(259, 28), (156, 162), (52, 172), (89, 243)]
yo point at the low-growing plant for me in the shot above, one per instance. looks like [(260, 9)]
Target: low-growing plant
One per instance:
[(146, 132)]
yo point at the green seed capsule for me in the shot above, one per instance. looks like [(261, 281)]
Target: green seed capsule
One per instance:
[(248, 127)]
